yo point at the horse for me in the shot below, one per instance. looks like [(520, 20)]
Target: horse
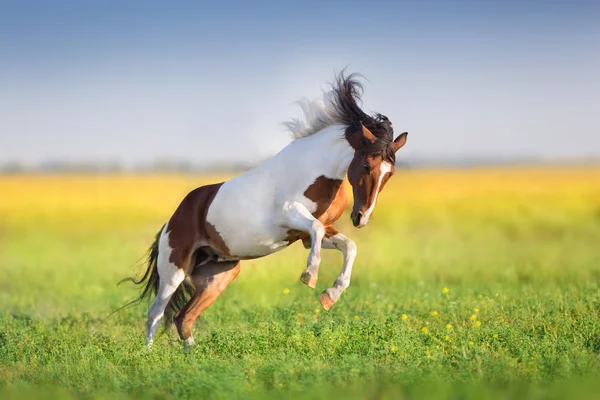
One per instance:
[(296, 195)]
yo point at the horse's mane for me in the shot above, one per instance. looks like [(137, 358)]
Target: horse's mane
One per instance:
[(336, 106), (340, 106)]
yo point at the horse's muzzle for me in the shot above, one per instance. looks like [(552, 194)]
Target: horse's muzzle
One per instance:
[(356, 217)]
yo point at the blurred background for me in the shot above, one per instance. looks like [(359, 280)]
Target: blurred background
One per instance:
[(149, 85), (480, 267)]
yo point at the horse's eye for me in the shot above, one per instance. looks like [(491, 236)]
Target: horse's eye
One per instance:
[(367, 167)]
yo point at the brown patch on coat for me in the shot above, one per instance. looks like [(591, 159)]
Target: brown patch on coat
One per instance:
[(330, 231), (217, 241), (331, 199), (323, 192), (336, 207), (209, 281), (188, 226)]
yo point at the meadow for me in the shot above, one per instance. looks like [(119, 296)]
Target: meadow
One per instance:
[(469, 283)]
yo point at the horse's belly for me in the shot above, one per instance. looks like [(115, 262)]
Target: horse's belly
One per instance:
[(248, 243), (245, 216), (248, 233)]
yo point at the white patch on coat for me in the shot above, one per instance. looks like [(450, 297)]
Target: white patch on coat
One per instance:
[(250, 212)]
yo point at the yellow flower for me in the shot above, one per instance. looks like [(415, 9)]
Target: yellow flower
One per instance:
[(473, 317), (424, 330), (445, 290), (286, 291), (477, 324), (447, 337), (434, 313), (495, 335), (471, 343), (393, 348), (317, 311), (449, 326), (476, 310), (356, 318), (404, 317)]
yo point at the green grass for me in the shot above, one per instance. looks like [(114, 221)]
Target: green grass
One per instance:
[(522, 301)]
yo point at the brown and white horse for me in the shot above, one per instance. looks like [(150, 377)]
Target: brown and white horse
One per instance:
[(298, 194)]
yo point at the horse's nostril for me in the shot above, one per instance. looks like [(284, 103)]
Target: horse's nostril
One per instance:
[(356, 217)]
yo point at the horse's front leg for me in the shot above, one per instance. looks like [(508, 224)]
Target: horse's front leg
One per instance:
[(335, 240), (298, 217)]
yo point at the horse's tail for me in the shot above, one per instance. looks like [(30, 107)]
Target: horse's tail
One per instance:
[(150, 282), (150, 279)]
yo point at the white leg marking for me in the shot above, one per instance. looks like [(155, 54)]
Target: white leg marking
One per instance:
[(348, 248), (189, 343), (170, 277), (298, 217), (384, 168)]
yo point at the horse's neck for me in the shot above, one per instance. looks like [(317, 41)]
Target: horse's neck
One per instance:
[(325, 153), (297, 166)]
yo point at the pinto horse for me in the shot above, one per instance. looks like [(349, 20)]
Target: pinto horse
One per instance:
[(296, 195)]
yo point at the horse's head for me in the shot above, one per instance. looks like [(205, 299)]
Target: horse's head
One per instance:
[(372, 165)]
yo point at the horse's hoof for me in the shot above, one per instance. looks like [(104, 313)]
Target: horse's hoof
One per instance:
[(308, 279), (326, 301), (188, 344)]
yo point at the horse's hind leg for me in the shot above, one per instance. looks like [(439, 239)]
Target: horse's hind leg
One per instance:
[(210, 281), (170, 277)]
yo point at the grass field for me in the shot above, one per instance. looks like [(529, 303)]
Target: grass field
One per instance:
[(477, 284)]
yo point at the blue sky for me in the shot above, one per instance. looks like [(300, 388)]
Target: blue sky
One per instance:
[(138, 81)]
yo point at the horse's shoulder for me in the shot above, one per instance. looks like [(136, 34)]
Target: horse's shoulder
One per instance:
[(328, 195), (336, 207)]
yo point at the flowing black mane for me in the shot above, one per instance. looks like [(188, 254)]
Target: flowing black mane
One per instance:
[(341, 106), (348, 91)]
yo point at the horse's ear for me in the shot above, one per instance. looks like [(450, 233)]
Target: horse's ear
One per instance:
[(367, 135), (399, 141), (359, 136)]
